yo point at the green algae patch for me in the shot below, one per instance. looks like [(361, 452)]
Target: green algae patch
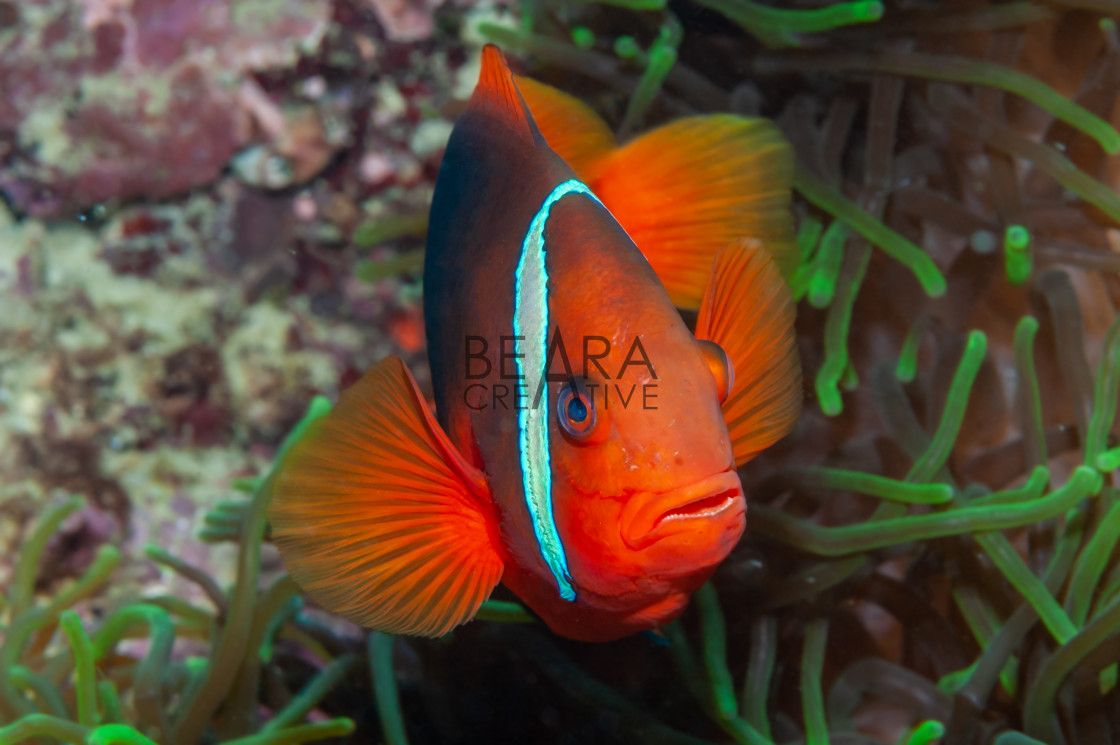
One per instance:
[(73, 693)]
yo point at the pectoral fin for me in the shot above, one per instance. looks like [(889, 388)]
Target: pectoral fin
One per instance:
[(378, 517), (748, 310)]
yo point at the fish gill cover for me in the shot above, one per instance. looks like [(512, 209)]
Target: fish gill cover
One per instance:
[(930, 555)]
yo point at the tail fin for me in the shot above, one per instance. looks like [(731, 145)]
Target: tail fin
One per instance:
[(682, 191), (573, 131), (691, 187)]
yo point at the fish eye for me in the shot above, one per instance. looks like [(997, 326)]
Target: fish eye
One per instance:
[(720, 365), (575, 410)]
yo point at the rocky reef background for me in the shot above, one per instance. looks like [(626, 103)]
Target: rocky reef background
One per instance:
[(182, 183), (213, 211)]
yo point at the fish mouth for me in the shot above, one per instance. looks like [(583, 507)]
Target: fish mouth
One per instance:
[(649, 517)]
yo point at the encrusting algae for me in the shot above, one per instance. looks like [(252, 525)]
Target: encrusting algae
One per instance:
[(930, 554)]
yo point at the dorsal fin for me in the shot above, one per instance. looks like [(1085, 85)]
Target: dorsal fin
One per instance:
[(497, 96)]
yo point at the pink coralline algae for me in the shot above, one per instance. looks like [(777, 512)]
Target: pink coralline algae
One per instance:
[(405, 20), (107, 99)]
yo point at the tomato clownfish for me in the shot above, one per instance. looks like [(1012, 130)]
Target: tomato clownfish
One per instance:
[(601, 487)]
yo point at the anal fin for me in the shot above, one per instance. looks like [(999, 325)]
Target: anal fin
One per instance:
[(749, 311), (378, 517)]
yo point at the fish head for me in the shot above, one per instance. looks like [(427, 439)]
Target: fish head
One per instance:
[(647, 501), (644, 491)]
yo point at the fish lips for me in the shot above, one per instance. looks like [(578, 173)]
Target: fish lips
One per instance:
[(650, 517)]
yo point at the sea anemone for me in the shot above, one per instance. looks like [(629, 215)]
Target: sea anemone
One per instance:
[(931, 554)]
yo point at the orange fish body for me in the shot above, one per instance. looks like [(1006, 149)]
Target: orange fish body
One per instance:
[(586, 442)]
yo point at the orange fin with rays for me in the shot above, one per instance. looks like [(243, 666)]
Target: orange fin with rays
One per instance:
[(378, 517), (748, 310), (496, 94), (569, 126), (687, 189)]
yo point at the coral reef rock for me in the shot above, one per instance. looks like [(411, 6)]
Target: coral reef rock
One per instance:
[(108, 99)]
